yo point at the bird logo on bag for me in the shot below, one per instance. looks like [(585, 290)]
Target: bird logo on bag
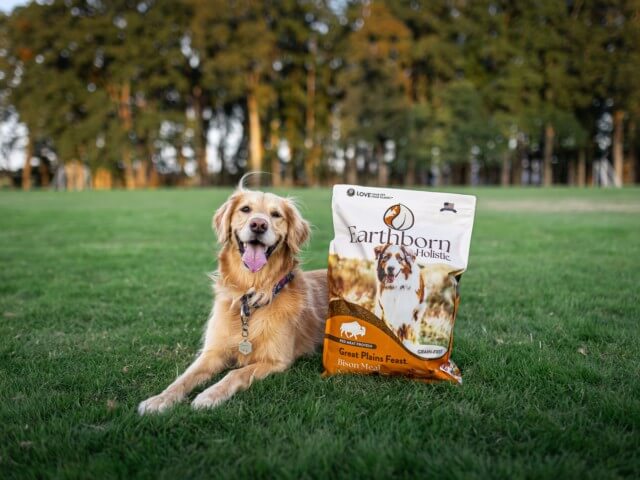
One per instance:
[(399, 217)]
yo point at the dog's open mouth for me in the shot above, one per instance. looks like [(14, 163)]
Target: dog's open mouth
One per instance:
[(390, 277), (254, 253)]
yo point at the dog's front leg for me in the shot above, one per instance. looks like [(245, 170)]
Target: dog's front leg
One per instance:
[(234, 381), (377, 308), (208, 363)]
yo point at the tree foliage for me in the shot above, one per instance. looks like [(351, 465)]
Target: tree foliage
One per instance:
[(377, 90)]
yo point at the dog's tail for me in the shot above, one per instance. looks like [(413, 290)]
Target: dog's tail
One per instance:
[(243, 180)]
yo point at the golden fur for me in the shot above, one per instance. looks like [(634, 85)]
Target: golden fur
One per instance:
[(282, 329)]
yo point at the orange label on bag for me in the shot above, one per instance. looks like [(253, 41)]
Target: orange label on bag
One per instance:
[(365, 345)]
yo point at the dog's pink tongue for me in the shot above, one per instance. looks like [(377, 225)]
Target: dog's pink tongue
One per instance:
[(254, 257)]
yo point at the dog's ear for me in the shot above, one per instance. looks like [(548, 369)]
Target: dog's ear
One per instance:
[(378, 250), (222, 219), (299, 230), (409, 254)]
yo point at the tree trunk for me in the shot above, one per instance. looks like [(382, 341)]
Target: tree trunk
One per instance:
[(630, 163), (200, 137), (26, 170), (44, 174), (435, 172), (276, 171), (149, 175), (69, 175), (364, 174), (154, 177), (141, 174), (102, 180), (182, 176), (351, 171), (618, 141), (581, 173), (313, 153), (633, 151), (516, 177), (289, 167), (274, 142), (571, 171), (410, 177), (383, 174), (129, 174), (547, 168), (383, 167), (289, 172), (75, 175), (505, 170), (255, 136), (311, 164), (127, 123)]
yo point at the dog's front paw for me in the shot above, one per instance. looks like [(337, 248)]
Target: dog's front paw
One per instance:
[(157, 404), (210, 398)]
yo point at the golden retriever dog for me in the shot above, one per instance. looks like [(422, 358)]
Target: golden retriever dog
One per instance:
[(284, 308)]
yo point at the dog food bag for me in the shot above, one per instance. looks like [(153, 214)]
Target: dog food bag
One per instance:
[(394, 269)]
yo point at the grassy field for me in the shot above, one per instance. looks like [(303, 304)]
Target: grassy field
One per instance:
[(103, 298)]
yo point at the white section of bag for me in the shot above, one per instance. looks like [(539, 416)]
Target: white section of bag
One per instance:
[(436, 226)]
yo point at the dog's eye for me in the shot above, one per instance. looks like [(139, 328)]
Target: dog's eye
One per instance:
[(275, 214), (245, 209)]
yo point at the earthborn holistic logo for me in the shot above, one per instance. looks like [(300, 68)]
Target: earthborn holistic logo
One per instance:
[(399, 217)]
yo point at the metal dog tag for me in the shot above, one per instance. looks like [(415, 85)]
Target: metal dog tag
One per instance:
[(245, 347)]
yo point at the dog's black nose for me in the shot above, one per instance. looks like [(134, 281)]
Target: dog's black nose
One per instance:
[(390, 270), (258, 225)]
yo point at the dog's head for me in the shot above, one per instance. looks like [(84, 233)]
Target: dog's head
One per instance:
[(394, 262), (259, 225)]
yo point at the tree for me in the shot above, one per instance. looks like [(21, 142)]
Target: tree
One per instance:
[(40, 87), (435, 60), (398, 90), (544, 25), (137, 61), (103, 73), (376, 98), (236, 47), (302, 80), (620, 22), (475, 139)]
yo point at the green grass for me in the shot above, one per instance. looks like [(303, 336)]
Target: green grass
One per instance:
[(103, 299)]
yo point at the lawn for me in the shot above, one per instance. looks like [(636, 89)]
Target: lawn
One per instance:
[(104, 295)]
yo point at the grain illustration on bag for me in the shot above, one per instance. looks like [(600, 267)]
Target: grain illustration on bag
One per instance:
[(395, 265)]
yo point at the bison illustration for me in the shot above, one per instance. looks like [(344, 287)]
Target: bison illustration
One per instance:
[(352, 330)]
